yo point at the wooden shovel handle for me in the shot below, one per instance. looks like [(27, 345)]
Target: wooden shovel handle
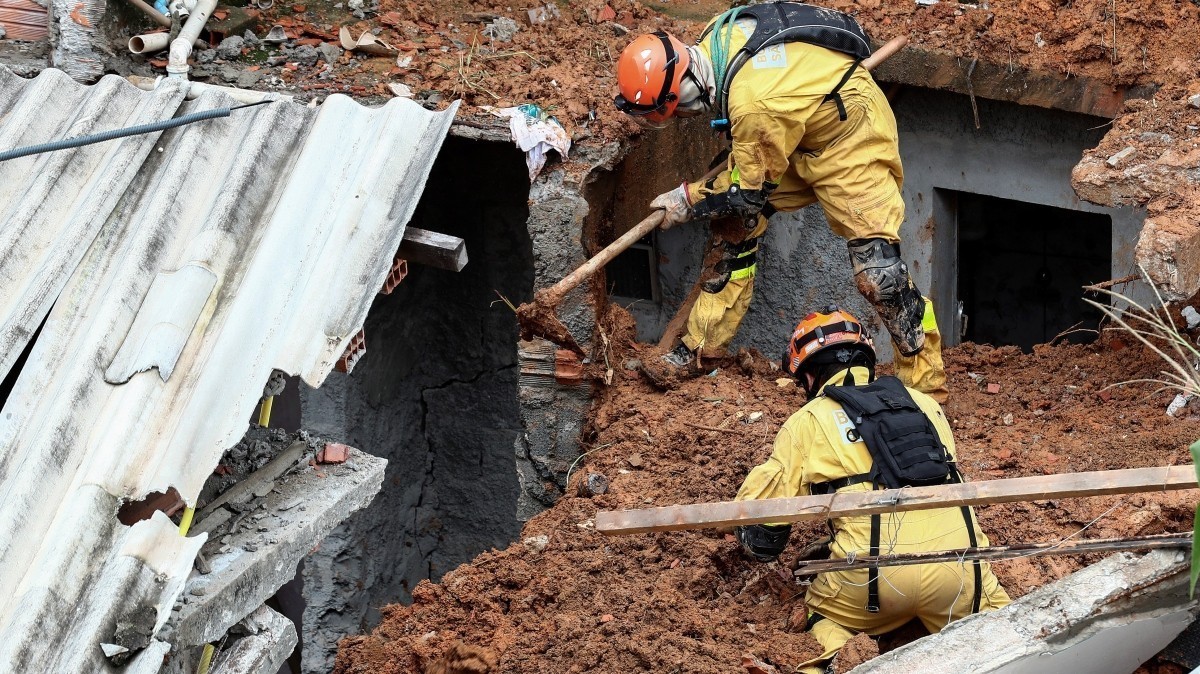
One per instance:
[(587, 269), (889, 48)]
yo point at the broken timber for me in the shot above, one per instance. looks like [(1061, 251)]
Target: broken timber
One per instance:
[(849, 504), (996, 553), (432, 249)]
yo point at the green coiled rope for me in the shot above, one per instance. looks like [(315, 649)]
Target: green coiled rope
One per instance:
[(721, 50)]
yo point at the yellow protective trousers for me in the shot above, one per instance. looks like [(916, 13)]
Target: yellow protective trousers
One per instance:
[(936, 594), (925, 371), (716, 316)]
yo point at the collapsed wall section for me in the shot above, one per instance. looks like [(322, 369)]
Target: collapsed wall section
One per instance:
[(436, 395)]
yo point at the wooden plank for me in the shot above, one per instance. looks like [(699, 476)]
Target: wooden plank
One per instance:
[(800, 508), (433, 249), (996, 553)]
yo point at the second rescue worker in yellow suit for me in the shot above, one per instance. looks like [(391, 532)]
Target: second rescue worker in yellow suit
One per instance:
[(819, 450), (807, 125)]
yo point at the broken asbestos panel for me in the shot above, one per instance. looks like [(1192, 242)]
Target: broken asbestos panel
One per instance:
[(1106, 619), (295, 211)]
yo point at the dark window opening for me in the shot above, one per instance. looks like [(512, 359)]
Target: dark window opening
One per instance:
[(634, 273), (1022, 267)]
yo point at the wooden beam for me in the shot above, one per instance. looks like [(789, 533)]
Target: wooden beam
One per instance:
[(996, 553), (800, 508), (421, 246)]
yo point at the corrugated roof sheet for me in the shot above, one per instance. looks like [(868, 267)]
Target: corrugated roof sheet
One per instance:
[(24, 20), (174, 272)]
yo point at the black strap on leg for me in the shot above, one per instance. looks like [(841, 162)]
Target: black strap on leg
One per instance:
[(966, 513), (837, 97), (813, 619), (873, 571), (956, 476)]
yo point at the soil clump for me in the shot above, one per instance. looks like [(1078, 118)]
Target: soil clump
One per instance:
[(568, 599)]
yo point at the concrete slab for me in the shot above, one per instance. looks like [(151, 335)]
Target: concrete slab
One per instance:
[(1107, 618), (264, 650), (256, 550)]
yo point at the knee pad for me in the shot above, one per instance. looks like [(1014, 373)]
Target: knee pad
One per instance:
[(738, 261), (882, 278)]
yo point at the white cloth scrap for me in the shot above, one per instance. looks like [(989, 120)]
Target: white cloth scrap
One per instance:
[(536, 134)]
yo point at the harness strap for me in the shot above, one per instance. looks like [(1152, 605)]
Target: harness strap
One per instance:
[(873, 571), (837, 97), (966, 513), (821, 488)]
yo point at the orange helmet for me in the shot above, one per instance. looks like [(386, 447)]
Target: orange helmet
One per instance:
[(830, 337), (649, 73)]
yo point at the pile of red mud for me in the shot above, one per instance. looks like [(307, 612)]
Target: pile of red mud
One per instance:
[(567, 599), (562, 58)]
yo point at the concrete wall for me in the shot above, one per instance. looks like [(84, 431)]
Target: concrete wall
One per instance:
[(1021, 153), (436, 395)]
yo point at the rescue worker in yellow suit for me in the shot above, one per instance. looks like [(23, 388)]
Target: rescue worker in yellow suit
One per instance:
[(807, 125), (837, 443)]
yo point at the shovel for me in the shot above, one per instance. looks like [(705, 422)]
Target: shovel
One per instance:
[(538, 318)]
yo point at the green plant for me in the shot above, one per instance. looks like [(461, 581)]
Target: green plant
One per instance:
[(1155, 328)]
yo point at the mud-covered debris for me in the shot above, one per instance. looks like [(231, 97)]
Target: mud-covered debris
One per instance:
[(993, 389), (596, 484), (1178, 404), (134, 631), (537, 543), (635, 460), (502, 29), (543, 14), (1117, 158), (752, 664), (463, 659), (856, 651)]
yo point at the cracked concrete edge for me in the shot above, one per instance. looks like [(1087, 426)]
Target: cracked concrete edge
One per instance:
[(263, 652), (1117, 590), (255, 563)]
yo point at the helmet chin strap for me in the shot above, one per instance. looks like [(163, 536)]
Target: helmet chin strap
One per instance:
[(698, 85)]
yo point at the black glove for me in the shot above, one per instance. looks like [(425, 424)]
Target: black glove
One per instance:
[(763, 542)]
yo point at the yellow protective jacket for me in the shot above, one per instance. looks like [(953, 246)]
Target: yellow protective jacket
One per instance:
[(812, 447), (785, 134)]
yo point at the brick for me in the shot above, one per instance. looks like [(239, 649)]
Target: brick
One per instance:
[(333, 452)]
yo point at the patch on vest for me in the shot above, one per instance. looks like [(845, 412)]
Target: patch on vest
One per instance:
[(774, 56), (846, 427)]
